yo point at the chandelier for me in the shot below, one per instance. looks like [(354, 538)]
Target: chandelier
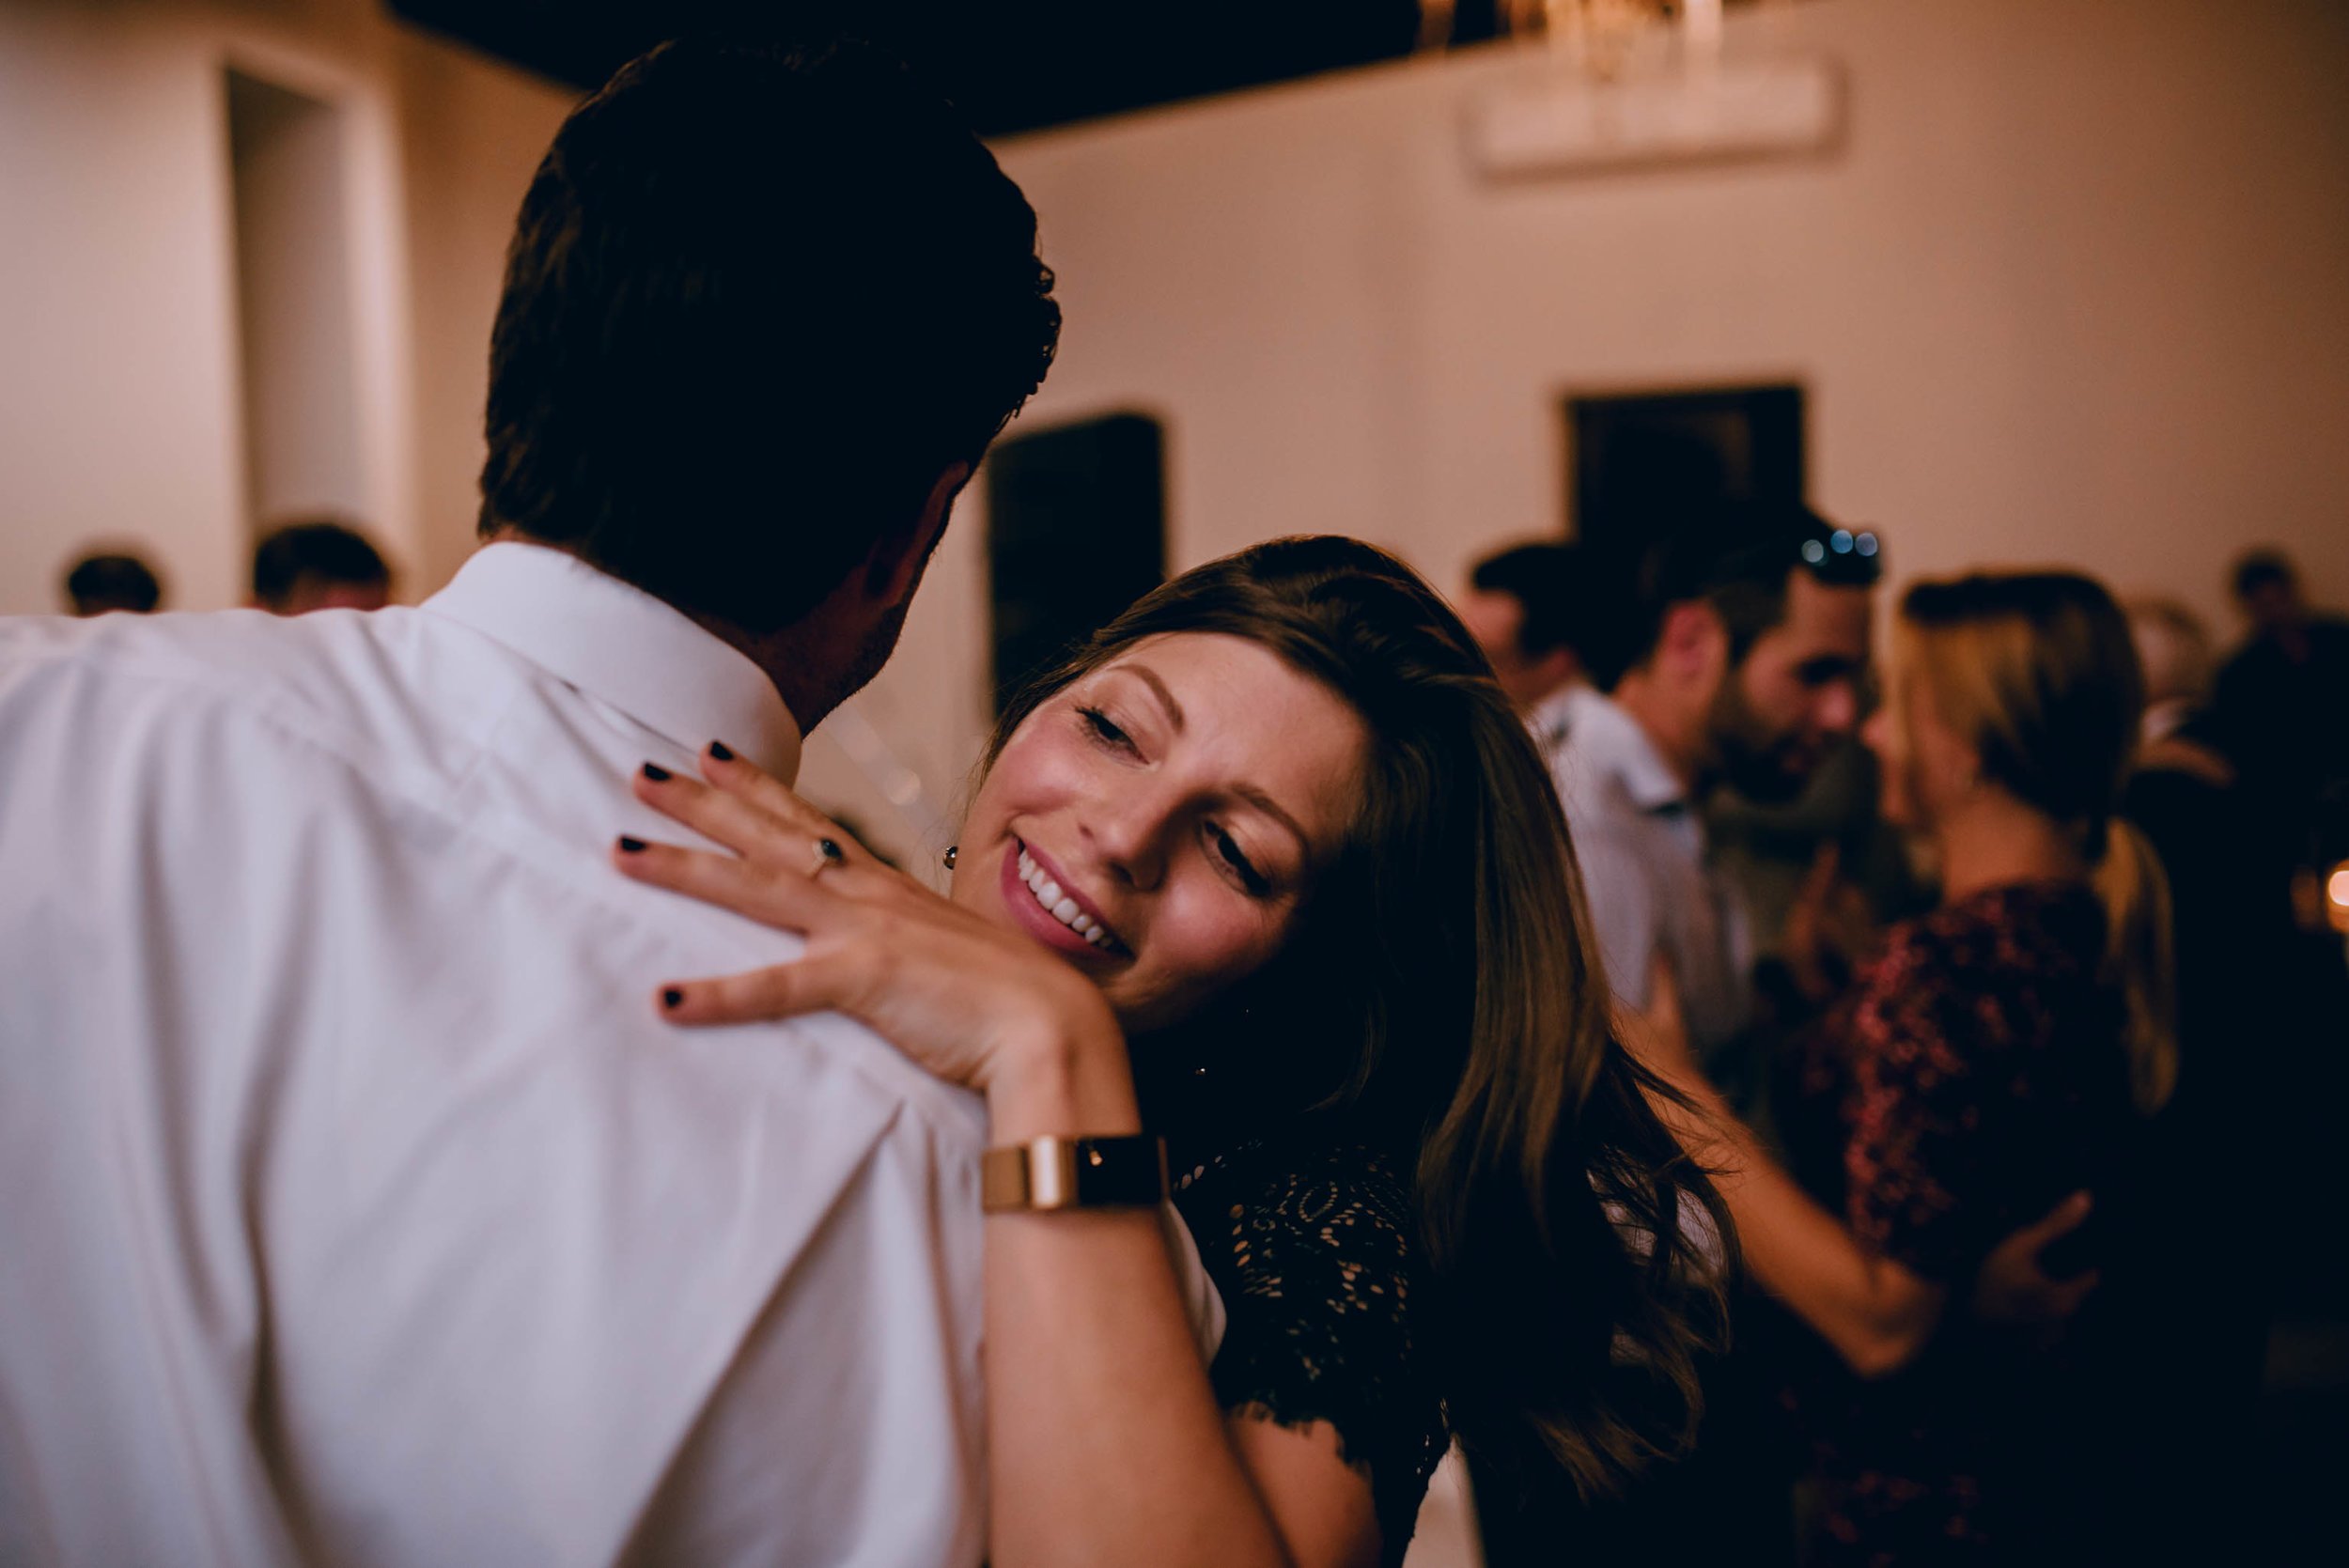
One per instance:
[(1597, 37)]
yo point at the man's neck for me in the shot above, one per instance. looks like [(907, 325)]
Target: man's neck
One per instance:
[(1676, 732), (782, 657)]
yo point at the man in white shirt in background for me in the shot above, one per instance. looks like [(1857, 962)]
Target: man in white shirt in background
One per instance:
[(358, 1205), (1743, 648)]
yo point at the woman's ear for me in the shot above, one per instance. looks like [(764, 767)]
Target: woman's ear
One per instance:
[(893, 570)]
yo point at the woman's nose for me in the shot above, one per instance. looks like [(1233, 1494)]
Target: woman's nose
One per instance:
[(1129, 832), (1876, 733)]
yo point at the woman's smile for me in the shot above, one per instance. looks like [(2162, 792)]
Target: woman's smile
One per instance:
[(1047, 903)]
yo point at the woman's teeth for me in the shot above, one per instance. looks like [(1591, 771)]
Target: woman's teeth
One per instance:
[(1060, 906)]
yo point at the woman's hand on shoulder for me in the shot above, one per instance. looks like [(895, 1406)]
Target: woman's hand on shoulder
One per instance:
[(968, 1002)]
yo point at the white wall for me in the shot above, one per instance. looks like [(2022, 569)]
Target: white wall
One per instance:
[(121, 412), (2077, 288), (296, 339)]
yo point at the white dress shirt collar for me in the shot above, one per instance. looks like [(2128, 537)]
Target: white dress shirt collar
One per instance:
[(1552, 718), (620, 645), (1613, 741)]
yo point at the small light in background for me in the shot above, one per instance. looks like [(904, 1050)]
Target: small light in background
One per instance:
[(2337, 897)]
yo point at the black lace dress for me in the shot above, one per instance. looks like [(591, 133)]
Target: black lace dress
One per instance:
[(1314, 1258)]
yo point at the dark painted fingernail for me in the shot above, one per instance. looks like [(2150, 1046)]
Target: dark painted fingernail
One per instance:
[(723, 751), (631, 846), (830, 850), (657, 774), (672, 998)]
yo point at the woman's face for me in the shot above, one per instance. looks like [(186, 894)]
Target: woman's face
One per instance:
[(1926, 768), (1160, 821)]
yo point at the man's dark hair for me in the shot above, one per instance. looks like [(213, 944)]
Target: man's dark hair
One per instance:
[(1552, 583), (2263, 569), (319, 551), (1738, 558), (759, 298), (98, 584)]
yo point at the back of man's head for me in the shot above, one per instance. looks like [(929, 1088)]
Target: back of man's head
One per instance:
[(1536, 611), (759, 299), (1738, 558), (98, 583), (318, 564), (1548, 580), (2264, 571)]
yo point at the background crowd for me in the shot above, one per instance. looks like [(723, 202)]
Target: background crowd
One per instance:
[(1878, 912)]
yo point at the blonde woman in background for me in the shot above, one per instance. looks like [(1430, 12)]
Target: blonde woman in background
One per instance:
[(1999, 1054)]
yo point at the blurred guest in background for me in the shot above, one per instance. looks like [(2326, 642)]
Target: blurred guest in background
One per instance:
[(2287, 647), (1998, 1054), (2279, 713), (1750, 644), (2183, 795), (1532, 609), (2192, 1283), (320, 565), (2280, 704), (2174, 646), (103, 582)]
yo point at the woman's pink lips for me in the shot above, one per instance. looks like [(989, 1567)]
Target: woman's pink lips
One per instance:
[(1038, 921)]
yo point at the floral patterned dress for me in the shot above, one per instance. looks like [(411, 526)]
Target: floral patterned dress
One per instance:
[(1974, 1076)]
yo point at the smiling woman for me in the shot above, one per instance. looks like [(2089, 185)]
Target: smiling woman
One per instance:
[(1177, 802), (1270, 870)]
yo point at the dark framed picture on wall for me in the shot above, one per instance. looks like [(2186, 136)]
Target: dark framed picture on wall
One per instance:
[(1635, 462)]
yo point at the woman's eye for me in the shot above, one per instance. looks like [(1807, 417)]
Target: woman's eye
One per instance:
[(1104, 728), (1227, 849)]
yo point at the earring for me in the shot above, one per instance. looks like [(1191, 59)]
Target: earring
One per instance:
[(952, 850)]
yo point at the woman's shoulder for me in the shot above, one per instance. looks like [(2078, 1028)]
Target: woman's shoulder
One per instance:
[(1314, 1249), (2033, 927), (1997, 971), (1282, 1221)]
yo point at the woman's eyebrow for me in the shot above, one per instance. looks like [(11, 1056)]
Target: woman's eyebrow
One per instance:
[(1166, 698), (1271, 808)]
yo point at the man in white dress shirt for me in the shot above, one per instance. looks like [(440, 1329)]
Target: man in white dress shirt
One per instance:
[(1741, 662), (355, 1205)]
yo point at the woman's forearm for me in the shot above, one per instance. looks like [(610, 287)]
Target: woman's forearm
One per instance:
[(1875, 1314), (1105, 1442)]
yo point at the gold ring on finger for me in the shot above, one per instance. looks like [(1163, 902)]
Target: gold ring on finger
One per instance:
[(827, 854)]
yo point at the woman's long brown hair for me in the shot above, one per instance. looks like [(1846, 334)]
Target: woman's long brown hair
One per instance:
[(1441, 998)]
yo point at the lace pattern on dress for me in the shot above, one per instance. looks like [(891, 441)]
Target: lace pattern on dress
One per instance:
[(1317, 1262)]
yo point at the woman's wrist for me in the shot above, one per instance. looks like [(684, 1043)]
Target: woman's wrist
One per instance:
[(1068, 1078)]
